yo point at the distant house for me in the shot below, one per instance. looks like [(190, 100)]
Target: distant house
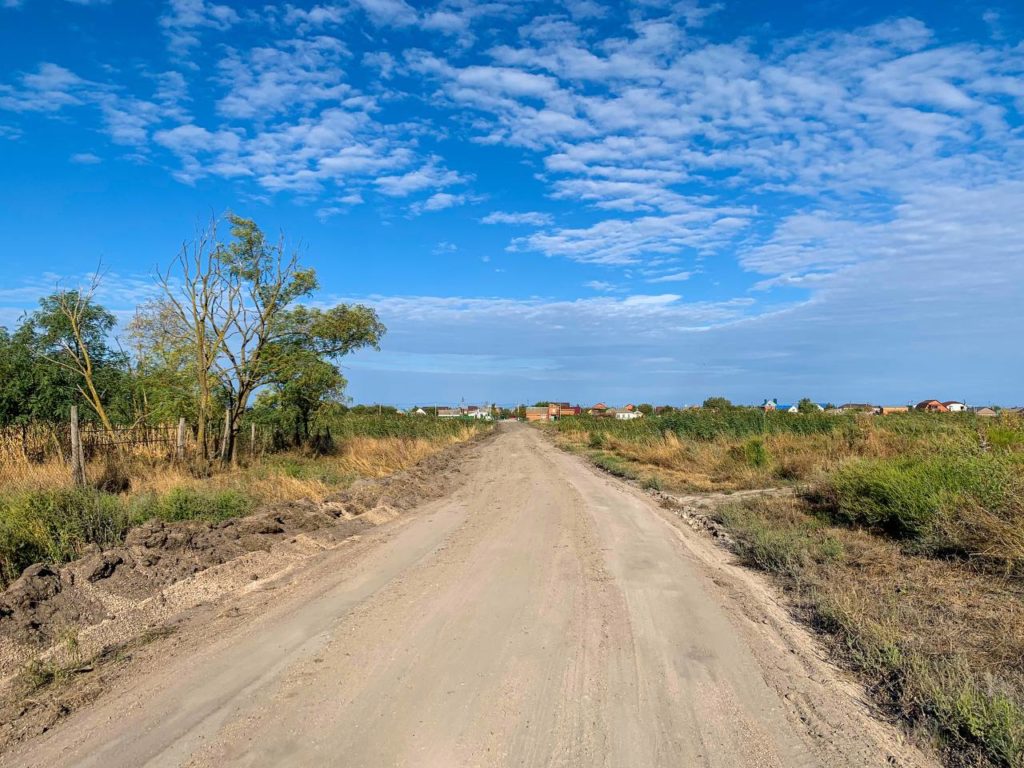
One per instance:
[(770, 405), (955, 406), (629, 408), (558, 410), (598, 410), (448, 413), (787, 408), (931, 406), (625, 415), (985, 411), (885, 410), (418, 412), (537, 413)]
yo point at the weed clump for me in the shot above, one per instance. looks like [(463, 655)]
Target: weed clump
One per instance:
[(941, 504)]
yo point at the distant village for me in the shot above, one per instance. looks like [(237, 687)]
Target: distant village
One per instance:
[(553, 411)]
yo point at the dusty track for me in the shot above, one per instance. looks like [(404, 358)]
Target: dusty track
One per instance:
[(542, 615)]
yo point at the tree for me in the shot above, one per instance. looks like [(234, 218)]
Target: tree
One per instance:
[(263, 334), (718, 403), (70, 330), (193, 318), (300, 393), (806, 405), (165, 381), (235, 312), (645, 408)]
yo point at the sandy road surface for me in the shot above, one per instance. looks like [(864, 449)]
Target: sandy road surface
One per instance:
[(542, 615)]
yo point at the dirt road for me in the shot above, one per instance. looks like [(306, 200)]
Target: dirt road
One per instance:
[(542, 615)]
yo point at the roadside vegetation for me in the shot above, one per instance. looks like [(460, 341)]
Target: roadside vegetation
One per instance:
[(45, 519), (902, 543)]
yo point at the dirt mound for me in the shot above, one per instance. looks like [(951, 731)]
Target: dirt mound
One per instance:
[(47, 602)]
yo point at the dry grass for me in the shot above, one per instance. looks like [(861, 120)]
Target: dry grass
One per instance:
[(941, 643), (279, 477)]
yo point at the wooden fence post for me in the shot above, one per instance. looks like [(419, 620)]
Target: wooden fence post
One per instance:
[(179, 444), (252, 440), (77, 457), (226, 437)]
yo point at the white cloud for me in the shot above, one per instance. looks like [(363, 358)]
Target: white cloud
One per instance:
[(184, 20), (85, 158), (533, 218), (674, 277), (267, 81), (49, 89), (430, 176), (438, 202), (389, 12)]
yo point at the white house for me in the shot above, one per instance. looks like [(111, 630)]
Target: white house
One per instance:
[(628, 415), (954, 406)]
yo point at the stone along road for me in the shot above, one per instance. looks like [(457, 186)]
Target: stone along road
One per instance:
[(541, 615)]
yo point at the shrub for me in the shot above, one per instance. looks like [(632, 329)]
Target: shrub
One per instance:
[(652, 483), (923, 498)]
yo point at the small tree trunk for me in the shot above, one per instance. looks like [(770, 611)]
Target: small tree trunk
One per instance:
[(252, 440)]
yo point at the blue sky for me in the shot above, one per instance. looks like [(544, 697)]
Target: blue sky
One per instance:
[(583, 200)]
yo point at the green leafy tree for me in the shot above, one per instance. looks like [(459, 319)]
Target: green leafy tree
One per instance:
[(645, 408), (718, 403), (71, 332), (164, 368), (806, 405), (238, 315)]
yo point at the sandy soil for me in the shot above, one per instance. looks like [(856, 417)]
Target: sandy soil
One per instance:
[(542, 614)]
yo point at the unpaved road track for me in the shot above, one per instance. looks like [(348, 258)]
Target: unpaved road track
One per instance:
[(542, 615)]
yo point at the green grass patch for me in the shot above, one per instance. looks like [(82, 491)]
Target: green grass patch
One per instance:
[(56, 525), (927, 500), (613, 465)]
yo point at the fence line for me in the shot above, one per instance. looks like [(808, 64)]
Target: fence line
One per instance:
[(74, 444)]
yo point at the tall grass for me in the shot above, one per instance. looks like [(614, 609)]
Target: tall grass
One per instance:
[(706, 424)]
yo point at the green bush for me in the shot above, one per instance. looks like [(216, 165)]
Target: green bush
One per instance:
[(189, 504), (652, 483), (915, 497), (365, 425), (752, 452)]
